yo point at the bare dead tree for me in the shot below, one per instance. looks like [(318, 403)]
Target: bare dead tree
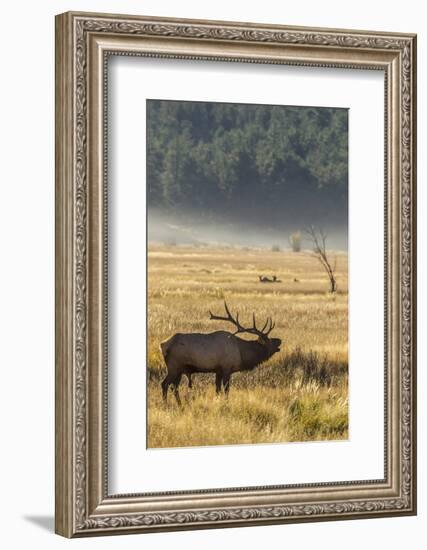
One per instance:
[(318, 240)]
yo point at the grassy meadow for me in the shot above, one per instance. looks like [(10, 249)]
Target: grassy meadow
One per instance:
[(300, 394)]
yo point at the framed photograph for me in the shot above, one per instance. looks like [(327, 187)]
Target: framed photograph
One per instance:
[(235, 274)]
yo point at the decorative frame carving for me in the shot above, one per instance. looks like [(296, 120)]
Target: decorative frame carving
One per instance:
[(83, 42)]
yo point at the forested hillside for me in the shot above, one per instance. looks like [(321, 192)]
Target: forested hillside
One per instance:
[(274, 164)]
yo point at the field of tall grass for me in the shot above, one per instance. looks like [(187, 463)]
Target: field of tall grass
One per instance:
[(300, 394)]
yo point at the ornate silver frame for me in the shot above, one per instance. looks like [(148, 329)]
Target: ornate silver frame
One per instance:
[(83, 505)]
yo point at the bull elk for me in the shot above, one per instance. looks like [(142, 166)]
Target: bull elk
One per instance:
[(220, 352)]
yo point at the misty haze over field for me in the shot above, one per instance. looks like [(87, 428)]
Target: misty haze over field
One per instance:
[(245, 175), (188, 229)]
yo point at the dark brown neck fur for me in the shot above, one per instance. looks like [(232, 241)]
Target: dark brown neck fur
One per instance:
[(252, 354)]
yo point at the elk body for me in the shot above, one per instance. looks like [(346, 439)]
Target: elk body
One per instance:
[(263, 279), (220, 352)]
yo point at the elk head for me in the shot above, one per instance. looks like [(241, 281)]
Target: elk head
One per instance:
[(272, 344)]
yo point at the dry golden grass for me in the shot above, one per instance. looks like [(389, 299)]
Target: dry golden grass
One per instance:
[(299, 395)]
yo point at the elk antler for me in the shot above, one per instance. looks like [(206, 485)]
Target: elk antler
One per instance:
[(252, 330), (228, 318)]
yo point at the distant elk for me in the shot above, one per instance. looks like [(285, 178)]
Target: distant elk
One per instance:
[(263, 279), (220, 352), (318, 239)]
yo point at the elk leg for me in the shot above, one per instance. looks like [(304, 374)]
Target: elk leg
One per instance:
[(218, 382), (226, 381), (175, 390), (165, 386), (190, 382)]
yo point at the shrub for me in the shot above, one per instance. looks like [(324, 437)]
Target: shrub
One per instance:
[(295, 241)]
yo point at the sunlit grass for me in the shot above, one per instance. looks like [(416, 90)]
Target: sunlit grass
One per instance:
[(299, 395)]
